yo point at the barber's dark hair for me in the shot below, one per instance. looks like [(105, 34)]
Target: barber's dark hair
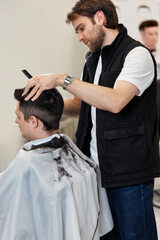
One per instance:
[(148, 23), (48, 107), (88, 8)]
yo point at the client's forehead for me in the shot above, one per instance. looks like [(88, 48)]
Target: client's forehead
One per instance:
[(18, 111)]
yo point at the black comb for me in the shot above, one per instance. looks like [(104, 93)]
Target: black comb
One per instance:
[(28, 75)]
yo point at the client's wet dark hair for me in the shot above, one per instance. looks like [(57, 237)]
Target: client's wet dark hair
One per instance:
[(48, 107)]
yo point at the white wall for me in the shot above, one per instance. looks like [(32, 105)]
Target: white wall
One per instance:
[(33, 36)]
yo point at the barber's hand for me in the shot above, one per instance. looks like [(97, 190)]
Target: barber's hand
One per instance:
[(41, 83)]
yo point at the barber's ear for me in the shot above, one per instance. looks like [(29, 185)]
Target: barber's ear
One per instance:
[(100, 18), (33, 121)]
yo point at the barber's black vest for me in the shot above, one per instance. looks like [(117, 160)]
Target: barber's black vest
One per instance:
[(127, 142)]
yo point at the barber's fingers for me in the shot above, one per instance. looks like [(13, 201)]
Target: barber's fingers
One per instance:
[(33, 92), (31, 83), (35, 83), (38, 93), (39, 83)]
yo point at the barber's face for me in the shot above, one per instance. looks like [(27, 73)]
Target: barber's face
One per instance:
[(24, 126), (89, 33), (150, 37)]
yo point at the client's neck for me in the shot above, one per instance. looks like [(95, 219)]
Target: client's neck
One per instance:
[(42, 134)]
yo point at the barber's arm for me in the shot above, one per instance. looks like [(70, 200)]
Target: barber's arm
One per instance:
[(113, 100)]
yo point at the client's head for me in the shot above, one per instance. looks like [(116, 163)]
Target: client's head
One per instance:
[(149, 33), (40, 118)]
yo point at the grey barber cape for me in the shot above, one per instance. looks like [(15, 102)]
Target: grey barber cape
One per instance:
[(50, 191)]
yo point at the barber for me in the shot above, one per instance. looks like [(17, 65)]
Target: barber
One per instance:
[(118, 116)]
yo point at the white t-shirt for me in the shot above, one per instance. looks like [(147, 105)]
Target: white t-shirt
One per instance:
[(138, 69)]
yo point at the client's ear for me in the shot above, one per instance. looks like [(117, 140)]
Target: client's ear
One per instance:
[(34, 121)]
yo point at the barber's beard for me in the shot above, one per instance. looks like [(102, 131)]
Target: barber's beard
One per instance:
[(97, 43)]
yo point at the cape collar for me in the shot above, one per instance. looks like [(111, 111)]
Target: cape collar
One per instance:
[(29, 146)]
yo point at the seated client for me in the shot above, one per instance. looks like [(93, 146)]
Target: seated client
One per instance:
[(49, 191)]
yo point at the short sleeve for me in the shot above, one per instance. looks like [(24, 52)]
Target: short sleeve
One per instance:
[(138, 69)]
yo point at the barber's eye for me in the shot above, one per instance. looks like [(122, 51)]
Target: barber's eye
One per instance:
[(81, 28)]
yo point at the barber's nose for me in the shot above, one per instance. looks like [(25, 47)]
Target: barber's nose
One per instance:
[(80, 37)]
